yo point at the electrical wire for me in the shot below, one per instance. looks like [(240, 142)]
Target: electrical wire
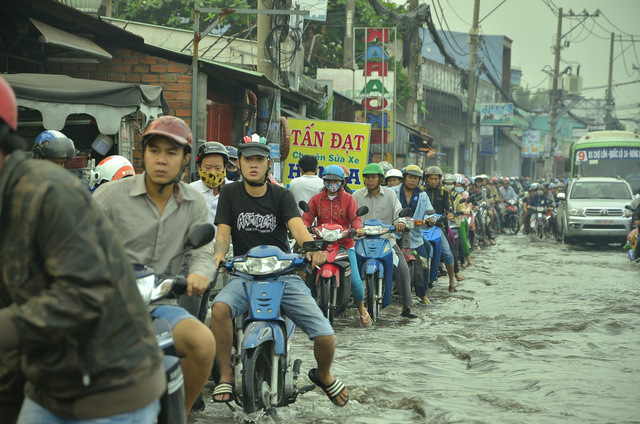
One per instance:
[(460, 50)]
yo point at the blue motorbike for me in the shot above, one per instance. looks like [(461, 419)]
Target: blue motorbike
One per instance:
[(265, 375), (374, 255)]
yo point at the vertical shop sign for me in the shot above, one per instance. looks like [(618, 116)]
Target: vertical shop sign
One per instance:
[(377, 87)]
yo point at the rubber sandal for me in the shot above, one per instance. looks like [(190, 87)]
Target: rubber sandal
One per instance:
[(459, 278), (366, 320), (425, 301), (223, 389), (332, 391)]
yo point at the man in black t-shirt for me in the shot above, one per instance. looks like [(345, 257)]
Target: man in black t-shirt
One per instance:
[(253, 213)]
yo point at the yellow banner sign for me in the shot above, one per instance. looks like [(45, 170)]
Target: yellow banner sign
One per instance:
[(332, 143)]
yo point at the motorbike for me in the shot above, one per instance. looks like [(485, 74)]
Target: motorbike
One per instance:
[(539, 221), (265, 373), (331, 284), (410, 256), (153, 288), (434, 236), (374, 255), (511, 217), (481, 217), (632, 237)]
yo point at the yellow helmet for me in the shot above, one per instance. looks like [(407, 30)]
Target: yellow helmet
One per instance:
[(413, 170)]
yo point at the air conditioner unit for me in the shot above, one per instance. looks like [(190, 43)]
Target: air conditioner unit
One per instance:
[(573, 84)]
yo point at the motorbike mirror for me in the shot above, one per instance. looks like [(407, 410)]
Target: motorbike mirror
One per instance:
[(304, 206), (462, 201), (363, 210), (628, 207), (405, 212), (430, 212), (200, 235), (561, 196)]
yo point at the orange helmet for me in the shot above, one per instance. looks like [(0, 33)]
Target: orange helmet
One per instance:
[(346, 171), (169, 126)]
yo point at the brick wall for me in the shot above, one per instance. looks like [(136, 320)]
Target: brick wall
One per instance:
[(139, 68)]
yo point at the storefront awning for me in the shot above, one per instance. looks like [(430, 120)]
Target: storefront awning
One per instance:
[(60, 38), (58, 96), (421, 141)]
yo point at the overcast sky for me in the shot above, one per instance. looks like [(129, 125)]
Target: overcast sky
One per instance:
[(532, 25)]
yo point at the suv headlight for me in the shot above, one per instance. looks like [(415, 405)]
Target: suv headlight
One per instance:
[(262, 266), (576, 212)]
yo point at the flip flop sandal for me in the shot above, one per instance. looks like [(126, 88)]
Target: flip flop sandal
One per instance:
[(332, 391), (366, 320), (223, 389)]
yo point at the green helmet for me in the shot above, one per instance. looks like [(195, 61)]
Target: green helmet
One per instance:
[(372, 169)]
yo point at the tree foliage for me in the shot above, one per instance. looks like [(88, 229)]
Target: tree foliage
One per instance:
[(533, 100)]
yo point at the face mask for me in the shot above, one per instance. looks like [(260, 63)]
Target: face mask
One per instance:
[(212, 179), (233, 175), (459, 189), (540, 192), (332, 187), (448, 187)]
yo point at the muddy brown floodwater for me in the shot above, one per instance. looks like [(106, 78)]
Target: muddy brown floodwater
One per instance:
[(538, 332)]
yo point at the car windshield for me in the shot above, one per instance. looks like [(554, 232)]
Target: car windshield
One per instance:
[(600, 190)]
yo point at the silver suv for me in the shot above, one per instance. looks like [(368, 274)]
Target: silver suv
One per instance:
[(594, 208)]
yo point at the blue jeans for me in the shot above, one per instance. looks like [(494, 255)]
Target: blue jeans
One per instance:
[(357, 288), (297, 303), (421, 289), (173, 314), (447, 254), (32, 413)]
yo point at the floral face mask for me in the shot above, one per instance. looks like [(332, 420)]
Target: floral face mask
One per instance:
[(332, 187), (212, 179)]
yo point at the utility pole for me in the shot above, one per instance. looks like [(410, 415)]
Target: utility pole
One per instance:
[(555, 93), (347, 58), (469, 136), (412, 68), (609, 124)]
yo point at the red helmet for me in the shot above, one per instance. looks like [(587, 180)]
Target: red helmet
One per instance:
[(169, 126), (8, 105), (345, 170)]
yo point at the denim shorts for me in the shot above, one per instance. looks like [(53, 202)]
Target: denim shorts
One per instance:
[(447, 255), (173, 314), (297, 303), (32, 413)]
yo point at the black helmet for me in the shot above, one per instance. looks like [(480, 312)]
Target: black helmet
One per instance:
[(212, 148)]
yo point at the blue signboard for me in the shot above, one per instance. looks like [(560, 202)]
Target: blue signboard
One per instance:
[(496, 114), (274, 150)]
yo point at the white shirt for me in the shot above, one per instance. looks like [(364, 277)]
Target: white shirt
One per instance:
[(305, 187), (210, 198)]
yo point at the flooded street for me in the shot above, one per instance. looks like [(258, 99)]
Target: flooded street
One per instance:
[(538, 332)]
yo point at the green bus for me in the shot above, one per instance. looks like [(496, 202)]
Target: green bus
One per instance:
[(607, 154)]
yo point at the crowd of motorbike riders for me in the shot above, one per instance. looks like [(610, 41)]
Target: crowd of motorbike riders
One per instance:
[(150, 214)]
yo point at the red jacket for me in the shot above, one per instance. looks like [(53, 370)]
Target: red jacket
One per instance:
[(340, 210)]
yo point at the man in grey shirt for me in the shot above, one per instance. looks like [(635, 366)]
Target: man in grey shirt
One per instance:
[(384, 205), (308, 184), (152, 213)]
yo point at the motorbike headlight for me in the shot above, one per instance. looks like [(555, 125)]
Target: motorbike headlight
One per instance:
[(372, 230), (146, 286), (576, 212), (330, 235), (149, 291), (262, 266)]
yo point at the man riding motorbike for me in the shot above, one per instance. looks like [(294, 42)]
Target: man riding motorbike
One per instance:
[(384, 205), (441, 202), (410, 196)]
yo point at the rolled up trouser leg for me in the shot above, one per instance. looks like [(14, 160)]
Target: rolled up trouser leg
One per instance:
[(403, 279)]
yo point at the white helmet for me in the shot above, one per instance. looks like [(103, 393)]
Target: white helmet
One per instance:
[(110, 169), (393, 173)]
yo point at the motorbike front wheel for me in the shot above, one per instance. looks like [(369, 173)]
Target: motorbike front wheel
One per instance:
[(324, 298), (371, 282), (256, 382)]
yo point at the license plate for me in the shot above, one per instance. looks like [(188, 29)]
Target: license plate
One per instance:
[(603, 221)]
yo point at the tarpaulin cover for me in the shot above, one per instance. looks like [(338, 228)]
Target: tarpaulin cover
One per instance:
[(58, 96)]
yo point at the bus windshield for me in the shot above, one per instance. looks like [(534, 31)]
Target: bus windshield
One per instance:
[(608, 161)]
